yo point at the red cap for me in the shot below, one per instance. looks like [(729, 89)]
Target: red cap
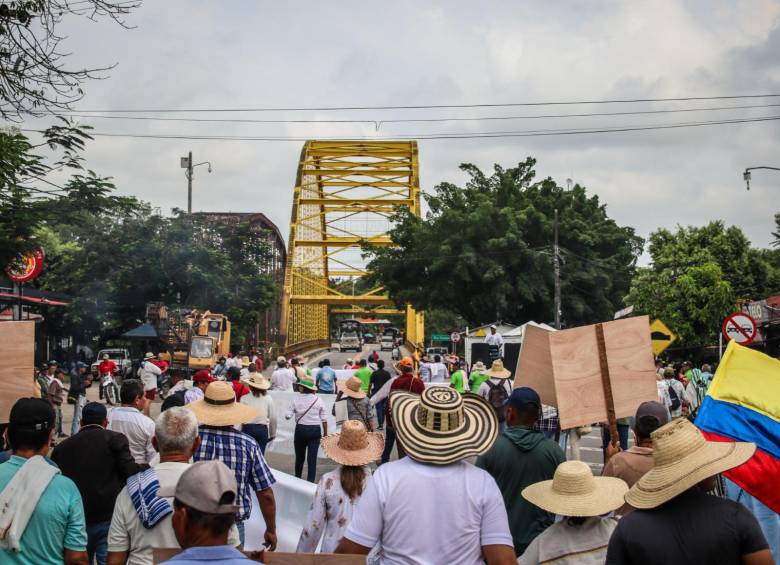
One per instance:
[(203, 376)]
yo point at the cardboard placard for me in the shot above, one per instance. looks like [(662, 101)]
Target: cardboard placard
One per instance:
[(279, 558), (564, 368), (17, 364)]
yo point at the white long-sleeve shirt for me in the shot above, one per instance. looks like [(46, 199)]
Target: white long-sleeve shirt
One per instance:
[(149, 374), (307, 410), (494, 339), (283, 379)]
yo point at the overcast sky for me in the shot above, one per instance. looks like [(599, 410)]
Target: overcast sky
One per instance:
[(300, 54)]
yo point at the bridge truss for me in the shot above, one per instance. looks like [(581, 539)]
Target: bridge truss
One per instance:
[(345, 193)]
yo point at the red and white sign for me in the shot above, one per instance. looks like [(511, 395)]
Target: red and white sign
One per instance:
[(455, 337), (25, 267), (740, 327)]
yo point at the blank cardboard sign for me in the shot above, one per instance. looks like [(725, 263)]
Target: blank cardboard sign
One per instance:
[(17, 364), (534, 368)]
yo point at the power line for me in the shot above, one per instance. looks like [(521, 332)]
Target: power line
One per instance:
[(379, 123), (428, 106), (440, 136)]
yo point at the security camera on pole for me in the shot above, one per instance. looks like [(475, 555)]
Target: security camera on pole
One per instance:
[(186, 163)]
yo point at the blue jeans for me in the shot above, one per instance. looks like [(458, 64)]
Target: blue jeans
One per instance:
[(259, 432), (74, 426), (306, 442), (622, 434), (97, 541), (380, 412)]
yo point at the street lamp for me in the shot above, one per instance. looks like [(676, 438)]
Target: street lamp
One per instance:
[(186, 163), (746, 174)]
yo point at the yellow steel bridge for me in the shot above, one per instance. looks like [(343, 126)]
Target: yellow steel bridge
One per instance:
[(345, 192)]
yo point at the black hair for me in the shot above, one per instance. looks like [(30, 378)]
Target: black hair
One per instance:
[(281, 364), (130, 390), (528, 411), (437, 359), (216, 524), (172, 401), (92, 419), (294, 361), (362, 362), (646, 425), (233, 373), (380, 364), (326, 362)]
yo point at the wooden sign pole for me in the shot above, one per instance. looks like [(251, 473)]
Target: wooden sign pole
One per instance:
[(614, 438)]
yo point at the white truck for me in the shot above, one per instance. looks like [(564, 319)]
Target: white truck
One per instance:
[(119, 356)]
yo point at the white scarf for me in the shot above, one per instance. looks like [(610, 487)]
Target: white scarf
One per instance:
[(20, 497)]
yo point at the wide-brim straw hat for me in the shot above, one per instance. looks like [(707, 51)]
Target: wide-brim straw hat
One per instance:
[(353, 445), (219, 407), (257, 381), (441, 426), (479, 366), (351, 388), (498, 371), (245, 362), (149, 355), (574, 491), (682, 458)]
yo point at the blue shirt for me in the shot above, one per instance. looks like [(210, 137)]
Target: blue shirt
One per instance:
[(56, 524), (242, 455), (224, 554), (326, 380)]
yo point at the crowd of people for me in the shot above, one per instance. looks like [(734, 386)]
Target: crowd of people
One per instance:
[(481, 473)]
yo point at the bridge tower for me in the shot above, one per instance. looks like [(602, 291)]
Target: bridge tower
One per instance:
[(345, 193)]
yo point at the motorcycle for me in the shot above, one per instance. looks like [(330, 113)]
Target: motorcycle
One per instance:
[(109, 389)]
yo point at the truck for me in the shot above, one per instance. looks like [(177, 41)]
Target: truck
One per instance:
[(193, 339), (121, 357), (350, 335), (389, 339)]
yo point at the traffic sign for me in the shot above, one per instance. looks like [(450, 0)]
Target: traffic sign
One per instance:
[(455, 337), (440, 337), (661, 337), (740, 327)]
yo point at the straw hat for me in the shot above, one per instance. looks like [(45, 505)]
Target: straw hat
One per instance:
[(353, 445), (479, 367), (149, 355), (682, 458), (245, 361), (574, 491), (441, 426), (258, 381), (498, 371), (218, 407), (351, 388)]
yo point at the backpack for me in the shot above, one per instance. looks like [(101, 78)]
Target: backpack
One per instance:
[(497, 396), (673, 396)]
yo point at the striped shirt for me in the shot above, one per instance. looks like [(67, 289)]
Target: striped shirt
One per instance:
[(241, 454)]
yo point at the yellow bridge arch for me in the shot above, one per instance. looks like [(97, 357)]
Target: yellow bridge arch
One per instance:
[(345, 192)]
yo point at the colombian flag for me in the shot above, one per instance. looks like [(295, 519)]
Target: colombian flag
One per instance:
[(743, 404)]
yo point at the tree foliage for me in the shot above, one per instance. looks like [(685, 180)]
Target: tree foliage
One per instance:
[(34, 77), (697, 276), (484, 251)]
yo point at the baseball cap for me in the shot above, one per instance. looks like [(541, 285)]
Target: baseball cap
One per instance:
[(203, 376), (31, 414), (281, 359), (523, 395), (493, 327), (652, 409), (52, 363), (208, 486), (93, 413)]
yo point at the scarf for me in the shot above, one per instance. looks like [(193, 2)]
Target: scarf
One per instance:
[(142, 488)]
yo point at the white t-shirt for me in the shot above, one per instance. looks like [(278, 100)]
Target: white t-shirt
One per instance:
[(282, 379), (430, 514), (439, 373), (494, 339), (128, 534), (137, 428)]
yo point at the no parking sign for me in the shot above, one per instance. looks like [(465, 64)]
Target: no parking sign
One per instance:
[(740, 327)]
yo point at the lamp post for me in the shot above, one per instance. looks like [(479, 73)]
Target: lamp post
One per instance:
[(186, 163), (746, 174)]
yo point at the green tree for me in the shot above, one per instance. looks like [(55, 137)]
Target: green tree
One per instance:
[(697, 276), (484, 251), (776, 233)]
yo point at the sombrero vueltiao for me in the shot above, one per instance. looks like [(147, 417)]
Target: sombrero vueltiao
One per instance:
[(441, 426)]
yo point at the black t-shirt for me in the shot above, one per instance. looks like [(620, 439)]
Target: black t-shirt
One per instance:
[(378, 380), (693, 527)]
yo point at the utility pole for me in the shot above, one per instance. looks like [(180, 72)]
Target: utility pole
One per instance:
[(189, 183), (557, 270)]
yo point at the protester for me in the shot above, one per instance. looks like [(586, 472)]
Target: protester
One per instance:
[(433, 506), (45, 377), (245, 363), (148, 375), (497, 388), (283, 378), (520, 457), (623, 428), (495, 343), (55, 395), (220, 368), (200, 380), (768, 519), (358, 406), (233, 377), (663, 393), (439, 373), (458, 379), (425, 368), (326, 378), (634, 463), (408, 382), (676, 521), (217, 414), (130, 420), (349, 365), (676, 393), (377, 381), (204, 512), (695, 391), (477, 376), (106, 366), (79, 382), (141, 519), (262, 427), (309, 413), (41, 512), (99, 462), (706, 374), (364, 374), (339, 491), (580, 499)]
